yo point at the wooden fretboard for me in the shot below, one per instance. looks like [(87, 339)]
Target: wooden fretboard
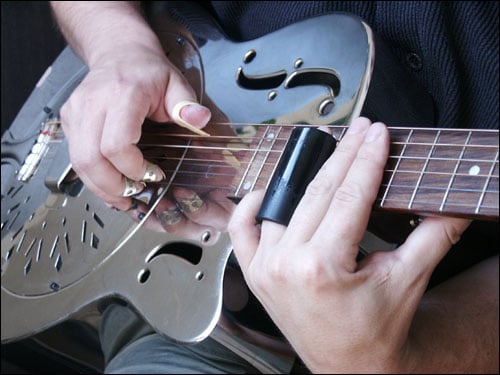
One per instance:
[(429, 171)]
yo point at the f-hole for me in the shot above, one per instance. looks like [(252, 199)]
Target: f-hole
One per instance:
[(184, 250)]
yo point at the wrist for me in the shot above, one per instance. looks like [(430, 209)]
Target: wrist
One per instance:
[(98, 29)]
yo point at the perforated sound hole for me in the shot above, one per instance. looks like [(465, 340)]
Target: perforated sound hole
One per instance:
[(19, 202), (62, 243)]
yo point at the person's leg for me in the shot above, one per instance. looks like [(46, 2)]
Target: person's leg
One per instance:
[(459, 319), (131, 346)]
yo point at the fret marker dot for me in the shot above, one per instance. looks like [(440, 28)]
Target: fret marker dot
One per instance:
[(474, 170), (270, 136), (247, 185)]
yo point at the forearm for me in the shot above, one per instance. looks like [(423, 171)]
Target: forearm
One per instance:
[(456, 326), (94, 28)]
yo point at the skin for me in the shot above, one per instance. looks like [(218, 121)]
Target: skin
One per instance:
[(342, 316), (129, 79), (339, 315)]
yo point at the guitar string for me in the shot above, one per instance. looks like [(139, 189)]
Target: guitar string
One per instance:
[(222, 164), (342, 128), (244, 140), (390, 157), (247, 139), (203, 186), (389, 200)]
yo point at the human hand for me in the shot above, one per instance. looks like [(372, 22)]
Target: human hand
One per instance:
[(192, 202), (341, 316), (102, 119)]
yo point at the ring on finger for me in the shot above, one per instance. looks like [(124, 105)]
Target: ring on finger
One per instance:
[(131, 187), (153, 173)]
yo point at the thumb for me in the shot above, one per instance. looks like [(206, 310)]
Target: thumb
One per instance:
[(429, 243)]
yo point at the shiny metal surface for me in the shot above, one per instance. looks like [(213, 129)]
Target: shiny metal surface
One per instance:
[(62, 249)]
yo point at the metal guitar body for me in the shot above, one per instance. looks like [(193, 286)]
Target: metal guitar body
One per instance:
[(63, 249)]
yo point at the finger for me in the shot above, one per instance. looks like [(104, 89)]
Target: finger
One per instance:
[(120, 135), (429, 242), (203, 211), (169, 214), (95, 171), (174, 221), (345, 222), (318, 195), (244, 233), (189, 112), (138, 211)]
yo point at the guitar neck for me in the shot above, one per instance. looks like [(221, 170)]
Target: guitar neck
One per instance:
[(429, 171), (444, 172)]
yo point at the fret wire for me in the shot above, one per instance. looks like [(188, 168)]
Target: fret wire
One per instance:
[(452, 178), (395, 168), (485, 186), (255, 150), (264, 163), (423, 170), (342, 133)]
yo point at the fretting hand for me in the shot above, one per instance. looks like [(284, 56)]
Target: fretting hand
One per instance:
[(341, 316)]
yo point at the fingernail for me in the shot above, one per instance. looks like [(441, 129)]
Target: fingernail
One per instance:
[(192, 116), (373, 133), (195, 114)]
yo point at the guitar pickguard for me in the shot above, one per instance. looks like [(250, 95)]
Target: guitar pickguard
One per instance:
[(63, 249)]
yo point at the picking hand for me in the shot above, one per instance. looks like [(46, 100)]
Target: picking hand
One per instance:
[(103, 118)]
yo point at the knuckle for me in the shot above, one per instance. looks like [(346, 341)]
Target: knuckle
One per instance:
[(83, 163), (320, 185), (453, 230), (371, 156), (313, 272), (348, 193), (111, 148)]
